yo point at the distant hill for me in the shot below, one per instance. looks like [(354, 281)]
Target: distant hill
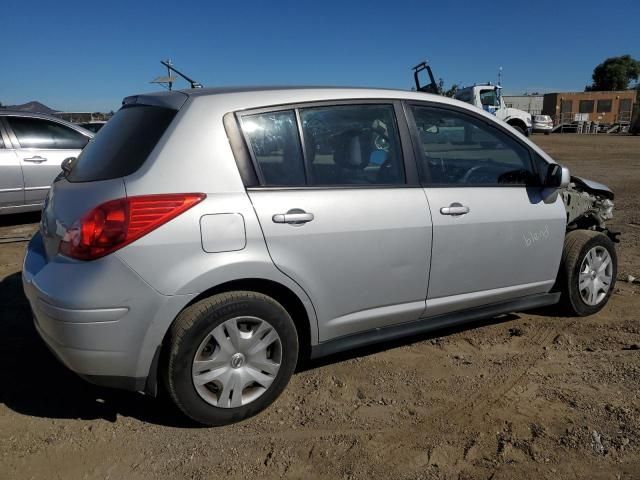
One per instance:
[(33, 107)]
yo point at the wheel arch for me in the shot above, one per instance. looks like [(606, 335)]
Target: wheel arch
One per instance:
[(280, 293), (517, 122), (301, 312)]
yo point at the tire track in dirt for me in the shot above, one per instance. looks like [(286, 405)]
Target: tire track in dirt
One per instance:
[(496, 387)]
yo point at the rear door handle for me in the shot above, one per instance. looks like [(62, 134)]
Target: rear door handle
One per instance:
[(293, 218), (36, 159), (454, 209)]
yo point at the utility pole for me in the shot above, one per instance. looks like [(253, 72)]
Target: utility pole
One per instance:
[(168, 64), (169, 80)]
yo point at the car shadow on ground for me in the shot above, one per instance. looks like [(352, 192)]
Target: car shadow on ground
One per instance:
[(35, 383), (17, 219)]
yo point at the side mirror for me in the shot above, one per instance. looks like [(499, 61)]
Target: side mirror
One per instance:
[(565, 178), (557, 176), (67, 165), (433, 129)]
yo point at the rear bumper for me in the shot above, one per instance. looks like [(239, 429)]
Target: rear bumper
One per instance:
[(542, 128), (78, 360), (95, 316)]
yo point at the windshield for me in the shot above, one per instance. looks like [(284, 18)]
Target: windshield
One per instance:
[(489, 98)]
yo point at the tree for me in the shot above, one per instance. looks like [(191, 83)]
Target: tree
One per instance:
[(615, 73), (452, 91)]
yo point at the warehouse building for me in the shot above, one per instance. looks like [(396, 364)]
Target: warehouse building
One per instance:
[(614, 107), (528, 103)]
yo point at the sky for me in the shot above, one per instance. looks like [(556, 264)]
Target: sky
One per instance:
[(87, 55)]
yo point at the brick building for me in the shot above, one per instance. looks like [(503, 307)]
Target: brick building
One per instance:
[(601, 107)]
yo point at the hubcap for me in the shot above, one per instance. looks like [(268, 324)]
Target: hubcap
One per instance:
[(596, 273), (237, 362)]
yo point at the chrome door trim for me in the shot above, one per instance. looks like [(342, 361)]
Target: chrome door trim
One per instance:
[(10, 190)]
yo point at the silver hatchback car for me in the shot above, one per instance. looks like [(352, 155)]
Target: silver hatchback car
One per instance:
[(210, 239)]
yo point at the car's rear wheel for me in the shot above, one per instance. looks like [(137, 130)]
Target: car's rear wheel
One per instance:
[(587, 272), (230, 356)]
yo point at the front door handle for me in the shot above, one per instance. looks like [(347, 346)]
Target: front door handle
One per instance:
[(36, 159), (296, 217), (454, 209)]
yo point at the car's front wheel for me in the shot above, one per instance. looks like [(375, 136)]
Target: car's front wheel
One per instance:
[(587, 272), (230, 356), (519, 129)]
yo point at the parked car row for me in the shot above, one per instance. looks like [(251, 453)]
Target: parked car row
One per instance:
[(32, 149), (93, 126), (210, 238)]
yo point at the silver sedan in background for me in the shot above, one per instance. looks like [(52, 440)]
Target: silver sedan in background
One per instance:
[(542, 124), (32, 149)]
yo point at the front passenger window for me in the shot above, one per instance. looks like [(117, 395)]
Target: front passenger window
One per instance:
[(461, 150)]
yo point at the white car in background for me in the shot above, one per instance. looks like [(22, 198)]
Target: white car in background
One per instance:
[(542, 124), (93, 126)]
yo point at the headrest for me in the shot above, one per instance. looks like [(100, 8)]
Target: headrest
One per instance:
[(353, 151)]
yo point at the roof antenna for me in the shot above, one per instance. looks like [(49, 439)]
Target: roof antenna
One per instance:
[(169, 80)]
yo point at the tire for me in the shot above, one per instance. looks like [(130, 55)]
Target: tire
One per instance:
[(205, 332), (577, 245), (547, 133), (520, 129)]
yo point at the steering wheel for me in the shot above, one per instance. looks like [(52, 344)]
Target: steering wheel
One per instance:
[(472, 171)]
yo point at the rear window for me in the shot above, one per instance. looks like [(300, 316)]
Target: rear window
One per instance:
[(123, 144)]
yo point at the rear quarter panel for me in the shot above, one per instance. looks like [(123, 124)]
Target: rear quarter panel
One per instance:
[(194, 155)]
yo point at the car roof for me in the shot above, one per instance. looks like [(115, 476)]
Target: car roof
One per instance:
[(243, 98), (22, 113)]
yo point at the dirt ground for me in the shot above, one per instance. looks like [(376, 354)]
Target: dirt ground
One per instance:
[(527, 395)]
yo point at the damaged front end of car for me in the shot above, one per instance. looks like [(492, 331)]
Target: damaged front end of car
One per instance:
[(589, 206)]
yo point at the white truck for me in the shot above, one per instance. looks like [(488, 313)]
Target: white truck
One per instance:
[(486, 97), (489, 98)]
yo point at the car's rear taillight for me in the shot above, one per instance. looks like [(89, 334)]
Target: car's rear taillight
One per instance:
[(116, 223)]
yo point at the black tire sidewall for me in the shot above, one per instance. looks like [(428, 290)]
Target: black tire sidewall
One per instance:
[(573, 275), (183, 353)]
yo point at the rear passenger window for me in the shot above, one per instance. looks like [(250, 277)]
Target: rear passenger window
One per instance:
[(38, 133), (352, 145), (274, 140)]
